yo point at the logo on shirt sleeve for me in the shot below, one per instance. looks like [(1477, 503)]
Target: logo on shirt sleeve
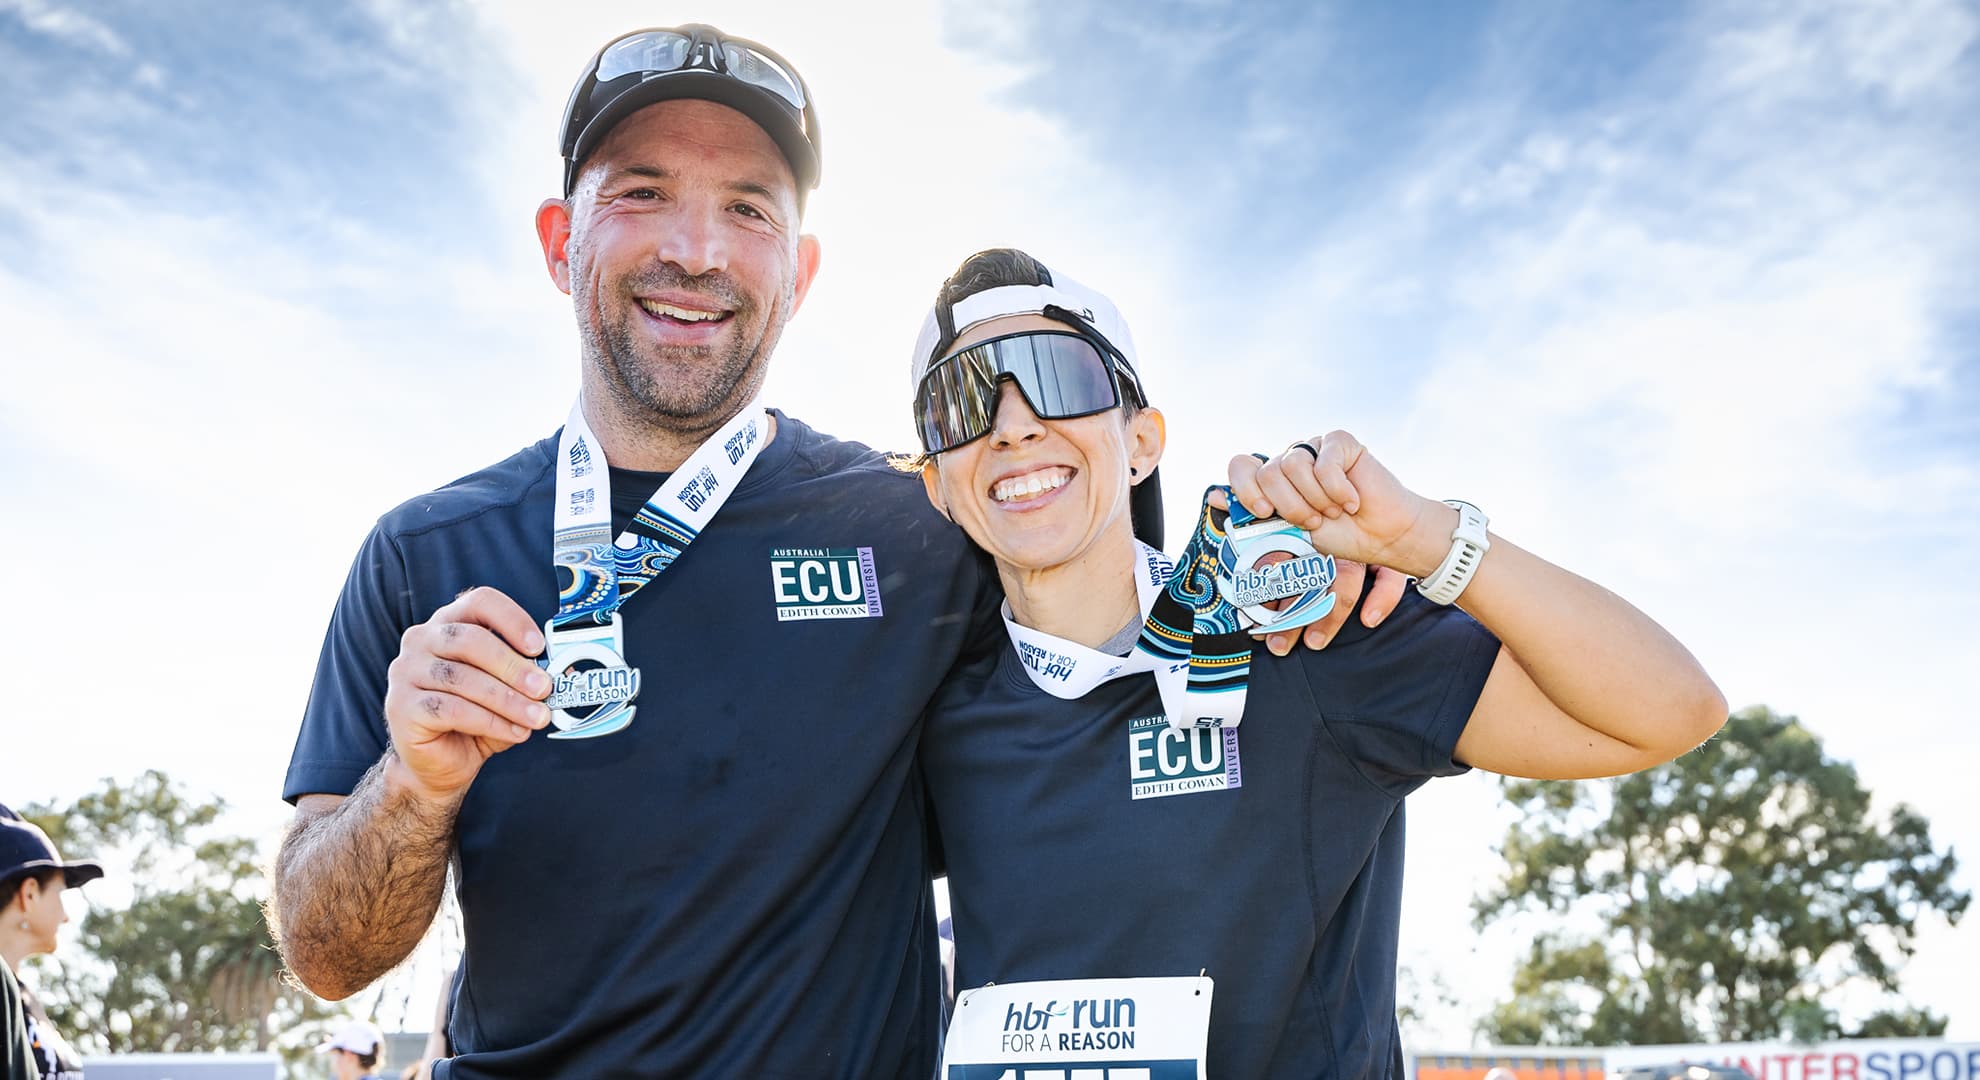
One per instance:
[(1163, 761), (824, 583)]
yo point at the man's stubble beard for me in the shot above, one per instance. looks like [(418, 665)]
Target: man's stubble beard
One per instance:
[(689, 390)]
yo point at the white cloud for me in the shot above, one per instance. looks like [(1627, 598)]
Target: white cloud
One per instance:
[(66, 24), (1673, 339)]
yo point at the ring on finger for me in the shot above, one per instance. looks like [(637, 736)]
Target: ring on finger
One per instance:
[(1306, 446)]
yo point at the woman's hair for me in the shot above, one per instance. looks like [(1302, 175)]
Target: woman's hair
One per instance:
[(11, 887), (993, 268)]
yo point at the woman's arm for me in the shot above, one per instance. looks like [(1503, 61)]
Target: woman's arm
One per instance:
[(1585, 684)]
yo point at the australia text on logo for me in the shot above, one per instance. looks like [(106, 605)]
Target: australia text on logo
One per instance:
[(593, 686), (1092, 1024), (824, 583), (699, 489), (580, 459), (1280, 580), (1044, 661), (1163, 761)]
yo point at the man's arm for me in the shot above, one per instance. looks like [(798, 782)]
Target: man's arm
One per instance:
[(358, 878), (1585, 685)]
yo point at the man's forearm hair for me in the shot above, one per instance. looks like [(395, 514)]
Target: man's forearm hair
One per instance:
[(357, 886)]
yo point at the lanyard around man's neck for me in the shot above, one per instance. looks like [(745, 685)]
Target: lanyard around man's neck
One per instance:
[(596, 574)]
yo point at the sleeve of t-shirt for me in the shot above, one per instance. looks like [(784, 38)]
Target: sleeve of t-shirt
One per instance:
[(343, 727), (1396, 698)]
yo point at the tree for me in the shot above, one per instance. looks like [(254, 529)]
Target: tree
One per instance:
[(1727, 896), (189, 964)]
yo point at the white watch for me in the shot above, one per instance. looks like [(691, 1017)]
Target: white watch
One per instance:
[(1468, 548)]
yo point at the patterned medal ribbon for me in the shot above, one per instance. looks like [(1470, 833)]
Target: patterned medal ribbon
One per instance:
[(597, 574), (1192, 640)]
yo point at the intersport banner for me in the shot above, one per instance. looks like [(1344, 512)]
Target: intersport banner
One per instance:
[(1852, 1059)]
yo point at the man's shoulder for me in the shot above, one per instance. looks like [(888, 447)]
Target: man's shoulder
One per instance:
[(499, 487), (820, 454), (821, 458)]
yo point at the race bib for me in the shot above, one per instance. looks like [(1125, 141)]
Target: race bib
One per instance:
[(1081, 1029)]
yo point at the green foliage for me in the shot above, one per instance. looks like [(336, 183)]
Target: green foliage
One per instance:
[(1729, 895), (188, 965), (1900, 1024)]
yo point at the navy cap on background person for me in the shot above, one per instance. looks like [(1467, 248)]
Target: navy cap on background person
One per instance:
[(693, 61), (25, 849)]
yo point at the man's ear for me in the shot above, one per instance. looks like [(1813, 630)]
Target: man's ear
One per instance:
[(931, 481), (808, 255), (553, 231), (1148, 436)]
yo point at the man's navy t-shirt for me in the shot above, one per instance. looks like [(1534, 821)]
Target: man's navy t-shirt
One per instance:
[(737, 884), (1084, 839)]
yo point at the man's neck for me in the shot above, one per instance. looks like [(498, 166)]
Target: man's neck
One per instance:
[(632, 444), (1086, 600)]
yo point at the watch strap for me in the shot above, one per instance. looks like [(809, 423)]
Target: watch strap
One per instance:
[(1468, 547)]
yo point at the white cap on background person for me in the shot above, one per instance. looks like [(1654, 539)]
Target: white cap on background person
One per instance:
[(361, 1037)]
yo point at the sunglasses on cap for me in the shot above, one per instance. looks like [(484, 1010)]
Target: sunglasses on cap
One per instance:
[(772, 93), (1062, 375)]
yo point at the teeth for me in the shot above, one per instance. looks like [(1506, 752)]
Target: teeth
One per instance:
[(1029, 486), (654, 307)]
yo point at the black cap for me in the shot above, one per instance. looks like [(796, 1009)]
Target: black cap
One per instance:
[(708, 71), (25, 849)]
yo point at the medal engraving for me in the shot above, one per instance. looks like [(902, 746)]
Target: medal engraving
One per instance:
[(594, 686), (588, 671), (1301, 574)]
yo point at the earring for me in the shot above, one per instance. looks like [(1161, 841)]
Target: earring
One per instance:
[(1132, 471), (24, 925)]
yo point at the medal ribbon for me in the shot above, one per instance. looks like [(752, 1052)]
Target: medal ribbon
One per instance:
[(596, 574), (1191, 638)]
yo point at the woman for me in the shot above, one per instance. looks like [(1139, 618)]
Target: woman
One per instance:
[(32, 879), (1258, 867)]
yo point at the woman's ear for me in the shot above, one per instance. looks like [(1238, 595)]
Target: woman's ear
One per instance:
[(1148, 436), (931, 481)]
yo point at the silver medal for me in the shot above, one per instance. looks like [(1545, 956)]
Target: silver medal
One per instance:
[(588, 670), (1307, 577)]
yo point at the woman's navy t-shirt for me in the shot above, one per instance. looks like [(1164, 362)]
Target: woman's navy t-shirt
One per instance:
[(1085, 839)]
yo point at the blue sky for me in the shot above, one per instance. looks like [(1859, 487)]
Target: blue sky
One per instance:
[(1683, 294)]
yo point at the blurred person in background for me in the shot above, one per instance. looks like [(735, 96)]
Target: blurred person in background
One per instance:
[(32, 879), (356, 1050)]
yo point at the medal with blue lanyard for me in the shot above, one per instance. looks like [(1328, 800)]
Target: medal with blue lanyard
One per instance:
[(584, 649), (1200, 613)]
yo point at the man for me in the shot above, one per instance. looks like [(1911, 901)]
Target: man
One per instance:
[(706, 854)]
